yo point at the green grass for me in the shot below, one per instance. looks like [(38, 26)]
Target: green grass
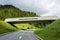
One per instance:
[(51, 32), (25, 26), (5, 27)]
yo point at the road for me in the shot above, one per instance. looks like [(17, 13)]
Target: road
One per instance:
[(20, 35)]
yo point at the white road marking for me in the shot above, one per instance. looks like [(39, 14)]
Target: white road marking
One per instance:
[(20, 37)]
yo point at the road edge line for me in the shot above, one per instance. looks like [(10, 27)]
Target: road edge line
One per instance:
[(38, 37), (4, 34)]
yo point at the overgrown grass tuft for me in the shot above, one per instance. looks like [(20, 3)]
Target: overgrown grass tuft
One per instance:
[(5, 27), (51, 32)]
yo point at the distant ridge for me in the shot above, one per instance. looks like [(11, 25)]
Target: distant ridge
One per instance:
[(10, 11)]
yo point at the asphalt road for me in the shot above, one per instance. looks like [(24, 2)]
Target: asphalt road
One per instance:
[(20, 35)]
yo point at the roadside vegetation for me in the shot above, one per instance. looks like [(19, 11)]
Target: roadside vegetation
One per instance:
[(25, 26), (51, 32), (5, 27)]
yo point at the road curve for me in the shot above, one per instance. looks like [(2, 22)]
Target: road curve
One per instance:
[(20, 35)]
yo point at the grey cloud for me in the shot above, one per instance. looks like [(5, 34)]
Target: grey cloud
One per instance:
[(41, 7)]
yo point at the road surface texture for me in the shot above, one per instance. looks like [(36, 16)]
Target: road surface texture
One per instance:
[(20, 35)]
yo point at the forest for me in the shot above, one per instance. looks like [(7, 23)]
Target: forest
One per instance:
[(9, 11)]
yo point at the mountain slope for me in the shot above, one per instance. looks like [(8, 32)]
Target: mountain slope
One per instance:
[(9, 11)]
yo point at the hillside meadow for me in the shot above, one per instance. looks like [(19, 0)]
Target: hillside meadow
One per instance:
[(51, 32)]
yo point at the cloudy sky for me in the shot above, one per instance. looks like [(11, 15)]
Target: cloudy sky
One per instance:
[(41, 7)]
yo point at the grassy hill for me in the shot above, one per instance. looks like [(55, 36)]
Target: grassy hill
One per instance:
[(9, 11), (51, 32), (5, 27)]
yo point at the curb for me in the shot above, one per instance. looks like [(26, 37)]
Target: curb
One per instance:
[(4, 34), (38, 37)]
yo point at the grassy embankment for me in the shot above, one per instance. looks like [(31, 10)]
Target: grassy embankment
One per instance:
[(5, 27), (51, 32)]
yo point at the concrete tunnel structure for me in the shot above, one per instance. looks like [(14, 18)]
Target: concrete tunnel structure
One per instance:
[(42, 20)]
